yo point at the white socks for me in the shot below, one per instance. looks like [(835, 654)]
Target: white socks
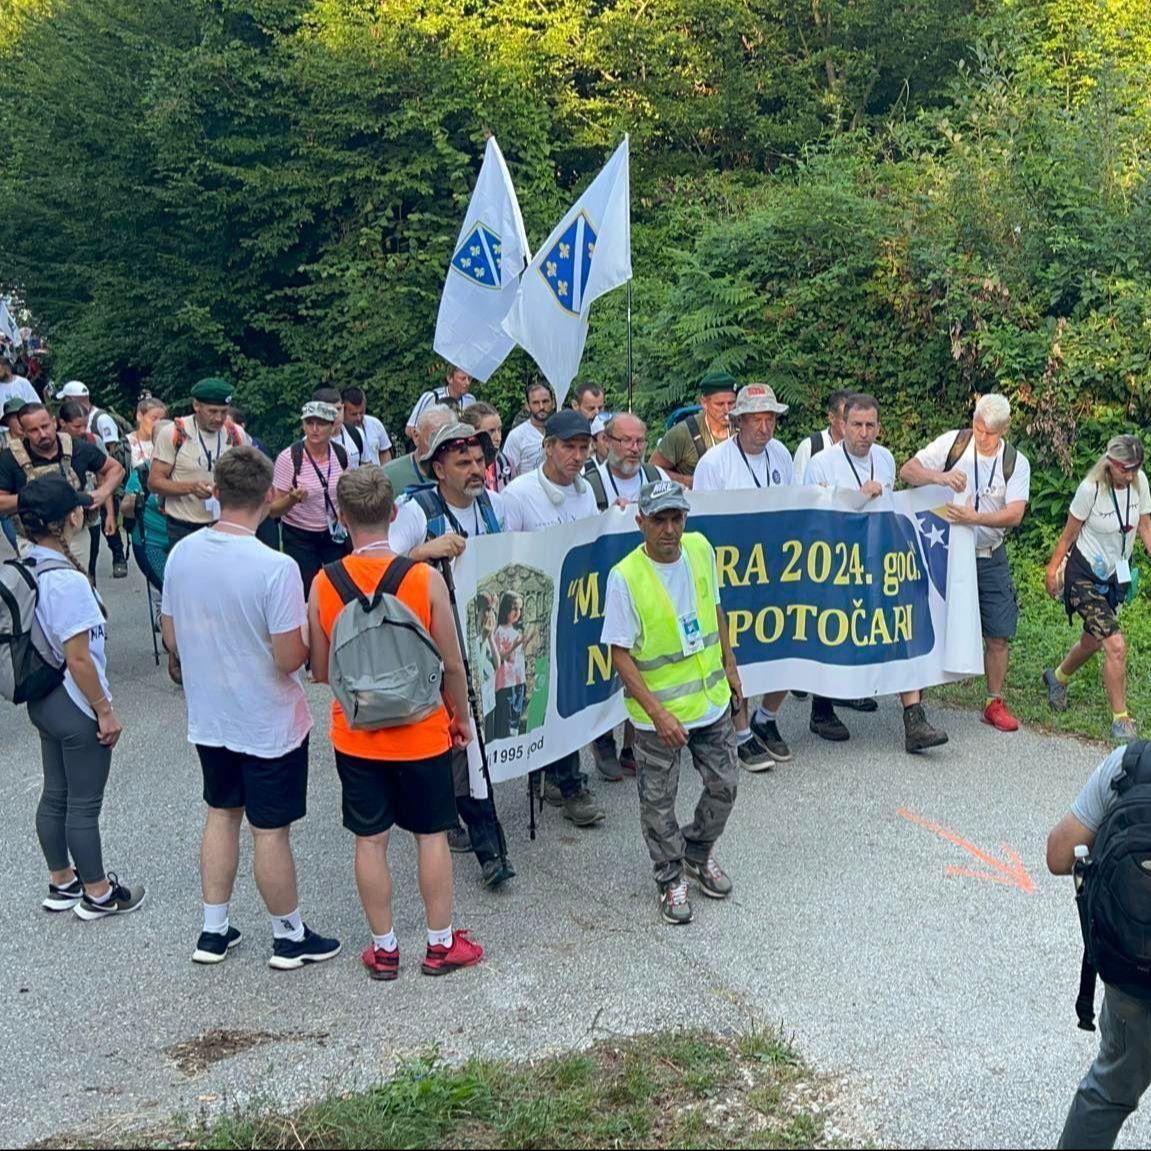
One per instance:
[(288, 926), (762, 715), (386, 942), (742, 735), (216, 918), (440, 938)]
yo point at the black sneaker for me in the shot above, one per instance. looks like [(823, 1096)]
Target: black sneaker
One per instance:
[(606, 758), (120, 900), (288, 954), (120, 569), (213, 946), (769, 736), (827, 725), (63, 898), (866, 704), (754, 756), (496, 874), (459, 840)]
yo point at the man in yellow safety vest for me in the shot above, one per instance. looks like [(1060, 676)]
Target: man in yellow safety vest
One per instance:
[(669, 645)]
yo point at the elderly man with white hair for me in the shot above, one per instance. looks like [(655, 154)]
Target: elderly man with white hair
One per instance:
[(404, 471), (991, 480)]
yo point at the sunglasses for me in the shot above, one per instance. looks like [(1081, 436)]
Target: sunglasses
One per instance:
[(1126, 469)]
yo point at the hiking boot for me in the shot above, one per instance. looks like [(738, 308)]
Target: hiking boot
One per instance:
[(674, 905), (712, 880), (866, 704), (627, 760), (553, 797), (119, 569), (289, 954), (997, 715), (582, 810), (442, 960), (459, 840), (120, 900), (497, 873), (768, 734), (63, 898), (827, 725), (754, 756), (919, 734), (800, 694), (1123, 730), (213, 946), (606, 760), (381, 964), (1056, 691)]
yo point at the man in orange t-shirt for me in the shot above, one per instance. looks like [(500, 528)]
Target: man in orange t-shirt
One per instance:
[(397, 775)]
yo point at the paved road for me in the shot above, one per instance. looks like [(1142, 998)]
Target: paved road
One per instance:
[(943, 1004)]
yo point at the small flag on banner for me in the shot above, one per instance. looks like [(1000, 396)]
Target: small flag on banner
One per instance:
[(484, 274), (587, 254)]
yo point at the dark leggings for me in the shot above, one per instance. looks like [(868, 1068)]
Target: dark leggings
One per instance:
[(76, 768), (310, 550), (114, 542)]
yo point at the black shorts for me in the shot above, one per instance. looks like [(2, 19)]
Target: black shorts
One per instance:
[(417, 795), (998, 605), (273, 792)]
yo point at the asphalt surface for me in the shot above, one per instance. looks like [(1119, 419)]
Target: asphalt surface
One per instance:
[(941, 1005)]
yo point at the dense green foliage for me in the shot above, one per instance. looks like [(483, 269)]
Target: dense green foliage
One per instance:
[(920, 197)]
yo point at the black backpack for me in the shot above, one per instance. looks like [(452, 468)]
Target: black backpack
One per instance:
[(1113, 890), (297, 452), (959, 446), (591, 473)]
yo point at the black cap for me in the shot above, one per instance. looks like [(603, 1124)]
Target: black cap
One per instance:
[(566, 425), (48, 499)]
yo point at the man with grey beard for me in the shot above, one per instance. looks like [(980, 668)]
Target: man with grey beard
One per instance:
[(619, 478)]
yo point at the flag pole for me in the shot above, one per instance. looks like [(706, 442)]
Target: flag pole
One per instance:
[(629, 361)]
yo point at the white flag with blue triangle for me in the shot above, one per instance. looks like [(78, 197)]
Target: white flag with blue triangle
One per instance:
[(490, 256), (587, 254)]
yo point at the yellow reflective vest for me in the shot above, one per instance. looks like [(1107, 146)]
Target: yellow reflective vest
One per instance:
[(689, 686)]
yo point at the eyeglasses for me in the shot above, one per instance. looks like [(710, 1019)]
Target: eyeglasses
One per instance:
[(630, 441), (1127, 470)]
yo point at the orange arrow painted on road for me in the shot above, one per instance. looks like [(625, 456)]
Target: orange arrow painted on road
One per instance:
[(1009, 874)]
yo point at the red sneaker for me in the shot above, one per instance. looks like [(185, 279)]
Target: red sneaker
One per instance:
[(996, 714), (462, 953), (381, 964)]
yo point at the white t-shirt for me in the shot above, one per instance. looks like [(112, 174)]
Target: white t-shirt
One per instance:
[(802, 455), (834, 468), (994, 493), (102, 425), (1101, 541), (622, 626), (17, 386), (355, 457), (438, 396), (527, 506), (376, 437), (724, 468), (616, 487), (141, 449), (67, 605), (413, 529), (227, 596), (523, 447)]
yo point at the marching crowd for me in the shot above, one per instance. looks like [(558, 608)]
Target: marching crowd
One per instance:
[(356, 586)]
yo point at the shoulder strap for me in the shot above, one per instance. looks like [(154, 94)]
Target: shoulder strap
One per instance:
[(393, 577), (179, 432), (650, 474), (958, 447), (595, 482), (816, 442), (1136, 767), (66, 448), (357, 439), (696, 435), (341, 454), (20, 454), (235, 436), (297, 450), (39, 567), (491, 520), (345, 586), (1010, 455)]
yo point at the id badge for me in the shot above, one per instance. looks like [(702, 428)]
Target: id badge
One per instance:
[(212, 507), (1123, 571), (689, 634)]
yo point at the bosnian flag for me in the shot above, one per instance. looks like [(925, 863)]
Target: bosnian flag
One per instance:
[(587, 254), (484, 273)]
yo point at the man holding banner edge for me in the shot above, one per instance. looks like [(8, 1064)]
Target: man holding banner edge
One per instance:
[(670, 646)]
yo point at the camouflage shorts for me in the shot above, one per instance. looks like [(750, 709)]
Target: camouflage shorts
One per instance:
[(1094, 603)]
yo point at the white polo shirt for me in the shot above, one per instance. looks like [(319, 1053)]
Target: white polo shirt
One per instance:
[(725, 467)]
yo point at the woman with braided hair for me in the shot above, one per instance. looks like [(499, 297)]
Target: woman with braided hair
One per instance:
[(77, 725)]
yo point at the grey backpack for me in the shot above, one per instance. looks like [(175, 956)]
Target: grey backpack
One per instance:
[(383, 667), (28, 669)]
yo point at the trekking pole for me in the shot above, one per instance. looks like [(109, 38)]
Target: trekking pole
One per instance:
[(445, 566)]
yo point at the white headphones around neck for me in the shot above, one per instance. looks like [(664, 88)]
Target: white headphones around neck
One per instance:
[(554, 492)]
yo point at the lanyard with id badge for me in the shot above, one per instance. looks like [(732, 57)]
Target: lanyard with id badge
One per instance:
[(211, 504), (1124, 577), (690, 636)]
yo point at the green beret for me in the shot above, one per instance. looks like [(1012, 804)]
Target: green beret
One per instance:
[(213, 390), (718, 382)]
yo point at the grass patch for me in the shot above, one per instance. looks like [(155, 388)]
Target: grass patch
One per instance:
[(666, 1089), (1044, 637)]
